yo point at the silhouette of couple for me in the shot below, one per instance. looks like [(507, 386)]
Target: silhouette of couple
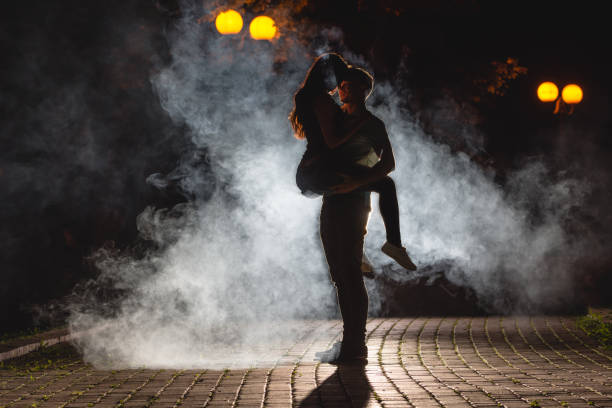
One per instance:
[(348, 155)]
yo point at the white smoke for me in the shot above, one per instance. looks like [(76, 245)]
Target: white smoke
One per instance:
[(235, 269), (451, 209)]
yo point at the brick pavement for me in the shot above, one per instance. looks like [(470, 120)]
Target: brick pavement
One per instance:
[(413, 362)]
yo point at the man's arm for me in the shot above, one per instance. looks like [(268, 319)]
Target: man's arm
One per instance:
[(385, 166)]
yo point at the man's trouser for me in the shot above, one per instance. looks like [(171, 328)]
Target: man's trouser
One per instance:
[(343, 227)]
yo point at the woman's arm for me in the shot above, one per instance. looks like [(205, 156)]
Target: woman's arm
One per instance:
[(329, 116)]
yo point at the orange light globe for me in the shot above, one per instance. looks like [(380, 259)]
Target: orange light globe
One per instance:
[(229, 22), (262, 28), (548, 92), (571, 94)]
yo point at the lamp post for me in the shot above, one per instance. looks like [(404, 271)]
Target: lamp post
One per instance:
[(261, 27), (229, 22), (570, 95), (548, 92)]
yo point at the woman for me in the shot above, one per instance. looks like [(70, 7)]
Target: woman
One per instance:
[(338, 150)]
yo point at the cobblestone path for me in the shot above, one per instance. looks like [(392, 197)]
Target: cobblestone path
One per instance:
[(420, 362)]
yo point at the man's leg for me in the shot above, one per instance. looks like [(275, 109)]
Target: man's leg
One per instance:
[(343, 228)]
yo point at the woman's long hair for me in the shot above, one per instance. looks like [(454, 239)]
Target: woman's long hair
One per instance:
[(302, 116)]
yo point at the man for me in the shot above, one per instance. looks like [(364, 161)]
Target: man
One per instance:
[(344, 216)]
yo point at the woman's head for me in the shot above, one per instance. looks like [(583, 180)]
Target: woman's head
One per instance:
[(324, 73), (322, 77)]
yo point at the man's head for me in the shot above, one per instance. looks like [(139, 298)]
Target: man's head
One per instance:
[(355, 86)]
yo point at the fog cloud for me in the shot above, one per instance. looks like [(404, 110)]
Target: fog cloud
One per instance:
[(237, 268)]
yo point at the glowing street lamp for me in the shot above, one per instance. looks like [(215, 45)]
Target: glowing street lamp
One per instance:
[(571, 94), (262, 28), (548, 92), (229, 22)]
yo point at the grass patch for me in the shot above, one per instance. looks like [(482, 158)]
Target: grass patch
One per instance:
[(56, 357), (594, 325)]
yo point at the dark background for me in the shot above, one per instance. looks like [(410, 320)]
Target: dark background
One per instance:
[(81, 128)]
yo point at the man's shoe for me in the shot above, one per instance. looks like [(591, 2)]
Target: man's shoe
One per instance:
[(330, 354), (352, 354), (400, 255), (366, 267)]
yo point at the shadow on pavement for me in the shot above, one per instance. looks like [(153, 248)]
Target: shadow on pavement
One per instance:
[(347, 386)]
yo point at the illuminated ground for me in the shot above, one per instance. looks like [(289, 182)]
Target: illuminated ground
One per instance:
[(422, 362)]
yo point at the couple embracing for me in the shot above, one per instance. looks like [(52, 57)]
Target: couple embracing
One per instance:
[(348, 155)]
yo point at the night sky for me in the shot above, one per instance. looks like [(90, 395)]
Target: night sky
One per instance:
[(73, 179)]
